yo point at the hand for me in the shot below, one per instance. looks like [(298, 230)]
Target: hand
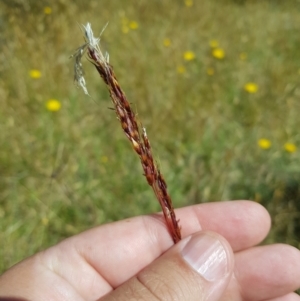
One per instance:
[(135, 259)]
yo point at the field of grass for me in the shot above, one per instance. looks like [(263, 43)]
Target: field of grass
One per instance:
[(185, 66)]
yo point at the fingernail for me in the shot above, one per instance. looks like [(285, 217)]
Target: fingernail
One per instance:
[(207, 255)]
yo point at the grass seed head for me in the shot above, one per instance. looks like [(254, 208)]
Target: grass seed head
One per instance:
[(134, 132)]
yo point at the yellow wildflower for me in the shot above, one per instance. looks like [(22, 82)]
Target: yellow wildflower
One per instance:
[(210, 71), (251, 88), (290, 147), (45, 221), (104, 159), (213, 43), (167, 42), (189, 55), (53, 105), (264, 143), (243, 56), (133, 25), (47, 10), (181, 69), (218, 53), (34, 73), (188, 3)]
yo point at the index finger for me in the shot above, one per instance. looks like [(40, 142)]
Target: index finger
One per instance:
[(119, 250)]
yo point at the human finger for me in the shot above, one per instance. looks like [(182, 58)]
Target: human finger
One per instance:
[(287, 297), (197, 268), (268, 272), (117, 251)]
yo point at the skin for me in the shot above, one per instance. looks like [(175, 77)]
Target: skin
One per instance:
[(91, 265)]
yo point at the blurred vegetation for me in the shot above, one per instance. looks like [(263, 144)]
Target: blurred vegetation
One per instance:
[(184, 65)]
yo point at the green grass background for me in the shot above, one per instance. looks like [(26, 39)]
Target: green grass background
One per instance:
[(67, 171)]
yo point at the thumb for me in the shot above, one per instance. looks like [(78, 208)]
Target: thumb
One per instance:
[(197, 268)]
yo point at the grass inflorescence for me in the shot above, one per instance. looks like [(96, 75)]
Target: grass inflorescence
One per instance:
[(132, 128)]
